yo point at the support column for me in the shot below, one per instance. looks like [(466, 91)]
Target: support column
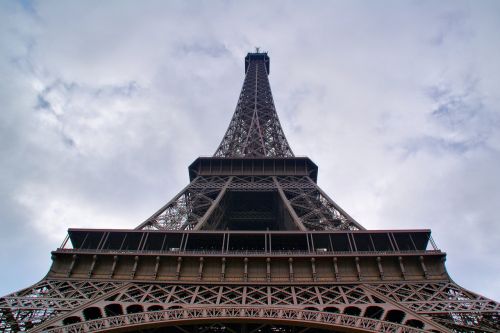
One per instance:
[(92, 266), (178, 270), (157, 266), (268, 269), (134, 269), (358, 268), (113, 267), (402, 267), (313, 268), (245, 270), (223, 269), (380, 268), (288, 206), (290, 268), (200, 269), (337, 207), (201, 223), (72, 265), (336, 269), (424, 268)]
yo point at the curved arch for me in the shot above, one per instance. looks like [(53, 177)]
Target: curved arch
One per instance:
[(135, 308), (286, 316), (114, 309), (311, 308), (155, 308), (374, 312), (395, 316), (352, 311), (414, 323), (331, 309), (92, 313)]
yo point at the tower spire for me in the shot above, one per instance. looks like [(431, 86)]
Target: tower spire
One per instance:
[(255, 130)]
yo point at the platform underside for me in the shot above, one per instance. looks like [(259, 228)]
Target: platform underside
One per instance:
[(235, 327)]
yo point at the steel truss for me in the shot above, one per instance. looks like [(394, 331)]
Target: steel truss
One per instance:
[(32, 306), (201, 205), (66, 302), (255, 129)]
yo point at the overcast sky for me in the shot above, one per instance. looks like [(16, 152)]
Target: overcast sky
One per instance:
[(103, 105)]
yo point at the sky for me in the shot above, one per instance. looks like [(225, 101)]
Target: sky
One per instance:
[(103, 105)]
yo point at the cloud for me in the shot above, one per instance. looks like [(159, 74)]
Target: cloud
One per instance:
[(104, 107)]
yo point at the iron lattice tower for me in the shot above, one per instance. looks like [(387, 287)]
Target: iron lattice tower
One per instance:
[(252, 244)]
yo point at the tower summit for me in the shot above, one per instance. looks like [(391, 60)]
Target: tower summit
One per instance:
[(252, 244), (255, 130)]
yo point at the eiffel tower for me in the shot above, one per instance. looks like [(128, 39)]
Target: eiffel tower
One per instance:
[(252, 244)]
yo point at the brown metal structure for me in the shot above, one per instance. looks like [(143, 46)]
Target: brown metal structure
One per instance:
[(252, 244)]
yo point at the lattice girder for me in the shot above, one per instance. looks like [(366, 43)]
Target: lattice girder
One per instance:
[(262, 299), (186, 209), (255, 129), (202, 203), (47, 299), (230, 319), (438, 297), (444, 301)]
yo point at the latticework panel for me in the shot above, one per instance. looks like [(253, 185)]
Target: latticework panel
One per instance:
[(252, 184), (48, 298), (315, 210), (448, 304), (20, 320), (462, 309), (246, 295), (444, 297), (255, 129), (445, 302), (186, 209), (204, 199), (470, 322)]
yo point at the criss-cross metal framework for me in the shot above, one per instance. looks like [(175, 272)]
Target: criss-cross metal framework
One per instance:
[(252, 244), (201, 205), (255, 129)]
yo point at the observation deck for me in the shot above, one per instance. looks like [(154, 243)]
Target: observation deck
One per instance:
[(253, 257)]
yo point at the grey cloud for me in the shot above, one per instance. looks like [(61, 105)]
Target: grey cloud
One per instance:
[(212, 49), (42, 103)]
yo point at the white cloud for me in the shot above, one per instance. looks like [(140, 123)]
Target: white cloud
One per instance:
[(51, 213), (103, 107)]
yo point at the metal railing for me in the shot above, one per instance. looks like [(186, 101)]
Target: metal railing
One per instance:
[(250, 252), (283, 315)]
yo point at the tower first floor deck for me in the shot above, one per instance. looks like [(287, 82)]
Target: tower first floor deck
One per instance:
[(249, 256)]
